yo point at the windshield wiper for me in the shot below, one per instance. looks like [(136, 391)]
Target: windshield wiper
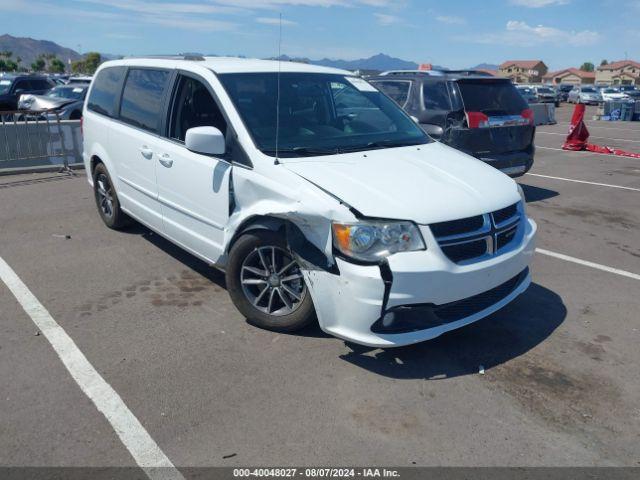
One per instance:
[(383, 144), (303, 151)]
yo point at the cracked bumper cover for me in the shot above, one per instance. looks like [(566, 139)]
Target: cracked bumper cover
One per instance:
[(348, 304)]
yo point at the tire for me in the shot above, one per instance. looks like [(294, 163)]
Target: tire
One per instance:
[(107, 199), (258, 293)]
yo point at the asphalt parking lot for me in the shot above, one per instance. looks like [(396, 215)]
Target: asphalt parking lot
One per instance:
[(562, 363)]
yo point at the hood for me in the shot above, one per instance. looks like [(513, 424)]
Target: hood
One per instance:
[(42, 102), (426, 184)]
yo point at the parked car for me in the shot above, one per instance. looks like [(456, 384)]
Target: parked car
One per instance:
[(611, 93), (64, 101), (12, 86), (563, 91), (85, 80), (528, 93), (482, 116), (312, 190), (585, 94), (546, 94)]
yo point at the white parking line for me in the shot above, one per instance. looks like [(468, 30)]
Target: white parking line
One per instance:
[(591, 136), (586, 263), (576, 151), (133, 435), (584, 181)]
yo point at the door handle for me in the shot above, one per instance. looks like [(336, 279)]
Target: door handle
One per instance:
[(146, 152), (166, 161)]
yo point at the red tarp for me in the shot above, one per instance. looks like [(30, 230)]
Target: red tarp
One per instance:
[(578, 136)]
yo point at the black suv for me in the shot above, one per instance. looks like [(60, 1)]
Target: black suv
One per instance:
[(12, 86), (478, 114)]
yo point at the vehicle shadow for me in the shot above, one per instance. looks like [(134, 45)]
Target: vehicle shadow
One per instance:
[(198, 266), (505, 335), (535, 194)]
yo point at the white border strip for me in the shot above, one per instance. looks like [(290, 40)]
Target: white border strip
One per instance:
[(584, 181), (133, 435), (586, 263)]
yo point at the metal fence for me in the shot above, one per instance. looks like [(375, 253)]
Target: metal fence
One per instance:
[(34, 139)]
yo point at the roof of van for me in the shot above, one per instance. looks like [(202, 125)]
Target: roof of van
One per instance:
[(227, 64)]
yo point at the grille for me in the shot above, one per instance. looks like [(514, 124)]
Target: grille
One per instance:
[(412, 318), (451, 312), (476, 238)]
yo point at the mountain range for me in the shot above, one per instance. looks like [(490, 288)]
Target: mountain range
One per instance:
[(28, 49)]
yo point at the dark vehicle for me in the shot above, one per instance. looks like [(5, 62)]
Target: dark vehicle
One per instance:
[(563, 91), (482, 116), (12, 86)]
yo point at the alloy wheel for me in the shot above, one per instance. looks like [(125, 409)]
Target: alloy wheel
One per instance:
[(272, 281)]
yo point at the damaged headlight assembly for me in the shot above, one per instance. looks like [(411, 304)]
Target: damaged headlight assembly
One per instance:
[(371, 241)]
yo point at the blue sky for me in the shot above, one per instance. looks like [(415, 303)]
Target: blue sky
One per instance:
[(452, 33)]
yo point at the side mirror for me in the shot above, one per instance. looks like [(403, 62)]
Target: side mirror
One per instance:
[(432, 130), (19, 91), (206, 140)]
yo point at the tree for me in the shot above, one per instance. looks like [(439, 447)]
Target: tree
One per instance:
[(39, 65), (92, 61), (604, 62), (587, 67), (56, 66), (77, 66)]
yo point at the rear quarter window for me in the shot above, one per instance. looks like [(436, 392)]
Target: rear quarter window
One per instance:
[(397, 90), (436, 96), (142, 98), (491, 97), (105, 91)]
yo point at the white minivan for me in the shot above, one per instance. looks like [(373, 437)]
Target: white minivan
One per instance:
[(317, 195)]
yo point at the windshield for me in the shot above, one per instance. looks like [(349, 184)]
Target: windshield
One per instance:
[(5, 85), (76, 93), (491, 97), (545, 90), (588, 90), (609, 90), (320, 114)]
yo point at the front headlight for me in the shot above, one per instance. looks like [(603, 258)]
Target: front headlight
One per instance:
[(371, 241)]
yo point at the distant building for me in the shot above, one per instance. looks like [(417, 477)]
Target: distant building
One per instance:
[(524, 71), (572, 76), (623, 72)]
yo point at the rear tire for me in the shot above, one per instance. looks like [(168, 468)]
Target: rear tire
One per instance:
[(270, 296), (107, 199)]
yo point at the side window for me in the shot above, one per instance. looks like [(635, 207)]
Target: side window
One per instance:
[(105, 91), (41, 84), (193, 106), (398, 91), (142, 98), (436, 96), (24, 85)]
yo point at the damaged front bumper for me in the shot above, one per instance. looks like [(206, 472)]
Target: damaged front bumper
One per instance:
[(422, 292)]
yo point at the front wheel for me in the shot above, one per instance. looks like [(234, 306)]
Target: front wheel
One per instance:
[(266, 285)]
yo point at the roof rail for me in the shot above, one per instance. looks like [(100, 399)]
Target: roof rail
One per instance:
[(404, 72), (188, 56)]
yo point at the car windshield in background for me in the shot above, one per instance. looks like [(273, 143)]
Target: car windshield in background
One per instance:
[(75, 93), (545, 90), (320, 114), (5, 85), (491, 97), (398, 90), (588, 90)]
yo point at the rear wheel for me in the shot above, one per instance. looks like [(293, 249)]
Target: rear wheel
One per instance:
[(107, 199), (266, 284)]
